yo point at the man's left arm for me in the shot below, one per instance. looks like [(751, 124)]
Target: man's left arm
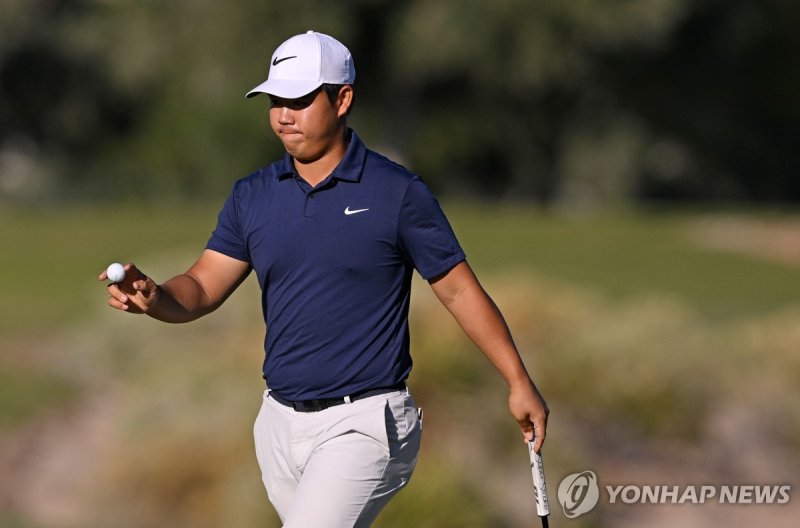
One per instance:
[(479, 317)]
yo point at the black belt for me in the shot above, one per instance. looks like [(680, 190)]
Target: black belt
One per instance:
[(324, 403)]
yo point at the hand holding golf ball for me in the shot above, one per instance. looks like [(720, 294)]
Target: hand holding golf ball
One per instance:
[(130, 290), (115, 272)]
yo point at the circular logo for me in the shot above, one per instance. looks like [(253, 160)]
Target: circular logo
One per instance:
[(578, 493)]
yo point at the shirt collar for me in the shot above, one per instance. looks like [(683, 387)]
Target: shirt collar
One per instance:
[(349, 169)]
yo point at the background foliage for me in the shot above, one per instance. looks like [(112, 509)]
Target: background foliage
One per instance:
[(580, 102), (667, 346)]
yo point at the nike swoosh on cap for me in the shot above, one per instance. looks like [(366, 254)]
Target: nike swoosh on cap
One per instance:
[(277, 61), (348, 211)]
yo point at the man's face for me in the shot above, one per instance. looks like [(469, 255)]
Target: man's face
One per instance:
[(307, 126)]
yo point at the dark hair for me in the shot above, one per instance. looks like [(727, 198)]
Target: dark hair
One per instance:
[(332, 91)]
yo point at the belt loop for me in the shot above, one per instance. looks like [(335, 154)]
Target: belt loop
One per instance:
[(347, 399)]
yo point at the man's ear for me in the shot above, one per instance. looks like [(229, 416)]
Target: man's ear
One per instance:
[(344, 100)]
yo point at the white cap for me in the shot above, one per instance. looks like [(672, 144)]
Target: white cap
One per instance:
[(304, 63)]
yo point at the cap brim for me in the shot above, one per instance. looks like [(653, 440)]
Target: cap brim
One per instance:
[(286, 89)]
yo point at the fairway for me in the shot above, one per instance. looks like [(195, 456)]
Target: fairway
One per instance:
[(626, 255), (52, 257), (48, 272)]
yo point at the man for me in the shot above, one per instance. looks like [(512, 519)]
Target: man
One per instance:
[(333, 232)]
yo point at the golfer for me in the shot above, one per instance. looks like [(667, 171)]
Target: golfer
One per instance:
[(333, 232)]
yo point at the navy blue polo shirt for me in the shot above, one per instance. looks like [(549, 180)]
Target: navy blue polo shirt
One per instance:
[(335, 263)]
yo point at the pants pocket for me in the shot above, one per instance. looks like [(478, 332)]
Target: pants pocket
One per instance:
[(403, 425)]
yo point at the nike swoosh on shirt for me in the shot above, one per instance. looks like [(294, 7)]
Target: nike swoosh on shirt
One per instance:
[(348, 211), (277, 61)]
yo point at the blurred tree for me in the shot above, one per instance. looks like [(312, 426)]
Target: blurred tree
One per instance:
[(498, 89), (573, 102), (58, 108), (726, 92)]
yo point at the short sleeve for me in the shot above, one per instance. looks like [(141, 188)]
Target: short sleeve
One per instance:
[(228, 237), (425, 235)]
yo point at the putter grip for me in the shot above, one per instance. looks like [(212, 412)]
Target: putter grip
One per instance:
[(539, 485)]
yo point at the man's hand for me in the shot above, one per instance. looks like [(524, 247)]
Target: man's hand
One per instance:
[(530, 410), (137, 293), (183, 298)]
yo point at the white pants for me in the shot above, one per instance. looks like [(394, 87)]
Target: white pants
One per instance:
[(338, 467)]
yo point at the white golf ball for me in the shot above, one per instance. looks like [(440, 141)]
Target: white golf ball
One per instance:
[(116, 272)]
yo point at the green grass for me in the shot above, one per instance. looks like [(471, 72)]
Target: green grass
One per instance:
[(625, 255), (25, 392), (10, 522), (51, 257)]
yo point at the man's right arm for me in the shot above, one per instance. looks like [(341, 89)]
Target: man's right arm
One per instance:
[(183, 298)]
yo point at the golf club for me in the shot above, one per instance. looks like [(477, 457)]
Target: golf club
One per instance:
[(539, 485)]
